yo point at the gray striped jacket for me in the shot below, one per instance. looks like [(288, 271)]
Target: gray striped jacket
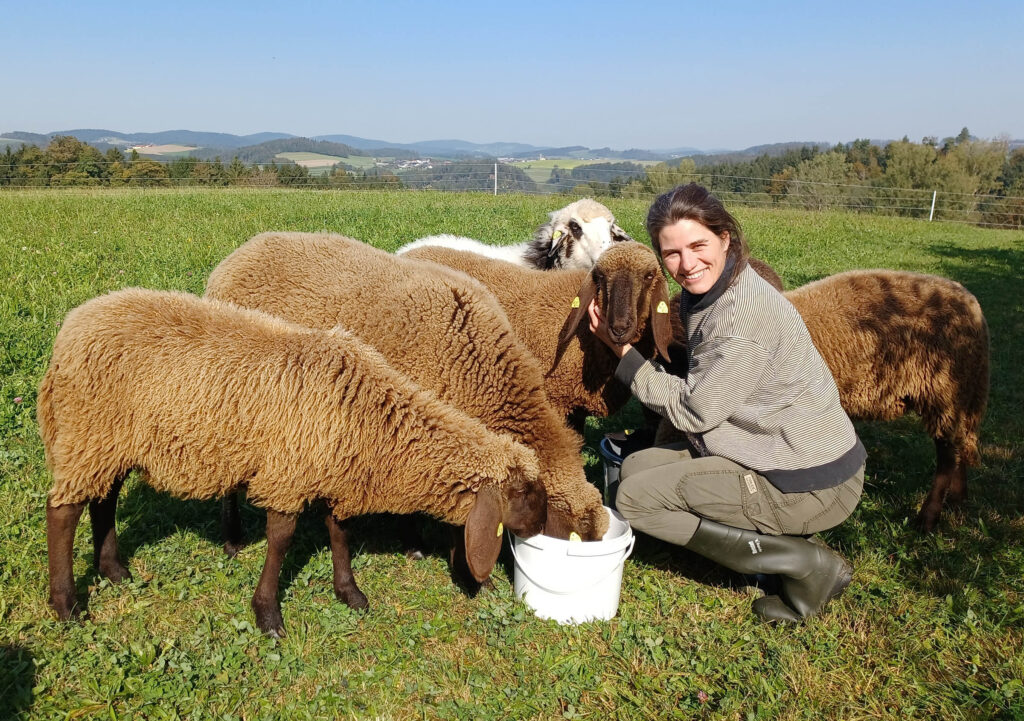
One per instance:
[(757, 391)]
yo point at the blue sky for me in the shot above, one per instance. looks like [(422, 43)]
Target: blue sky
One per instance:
[(650, 75)]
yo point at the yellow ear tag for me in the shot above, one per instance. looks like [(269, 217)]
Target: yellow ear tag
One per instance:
[(556, 235), (662, 307), (501, 527), (574, 536), (576, 302)]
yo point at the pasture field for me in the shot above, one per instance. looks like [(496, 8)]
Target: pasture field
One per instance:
[(540, 170), (931, 627), (319, 161)]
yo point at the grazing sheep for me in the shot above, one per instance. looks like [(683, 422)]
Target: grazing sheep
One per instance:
[(573, 237), (440, 328), (546, 309), (206, 397), (895, 342)]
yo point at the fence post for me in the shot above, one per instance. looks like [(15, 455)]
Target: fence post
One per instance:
[(932, 213), (495, 178)]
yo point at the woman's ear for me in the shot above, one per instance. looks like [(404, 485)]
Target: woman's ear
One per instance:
[(726, 236), (483, 533)]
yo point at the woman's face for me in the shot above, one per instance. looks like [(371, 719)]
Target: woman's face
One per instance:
[(693, 255)]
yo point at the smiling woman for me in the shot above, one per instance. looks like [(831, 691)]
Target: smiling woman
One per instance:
[(770, 454)]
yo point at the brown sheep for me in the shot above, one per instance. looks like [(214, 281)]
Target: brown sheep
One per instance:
[(547, 309), (897, 341), (206, 397), (443, 330)]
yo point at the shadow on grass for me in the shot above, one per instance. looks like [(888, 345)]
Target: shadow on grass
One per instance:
[(145, 517), (17, 678)]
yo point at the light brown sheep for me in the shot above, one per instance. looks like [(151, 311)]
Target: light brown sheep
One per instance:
[(442, 329), (547, 309), (897, 341), (206, 397)]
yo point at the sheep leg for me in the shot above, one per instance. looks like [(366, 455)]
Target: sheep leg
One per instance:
[(231, 525), (280, 528), (957, 471), (946, 478), (345, 587), (411, 535), (61, 522), (104, 536)]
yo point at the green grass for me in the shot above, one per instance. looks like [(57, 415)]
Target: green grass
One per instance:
[(930, 627)]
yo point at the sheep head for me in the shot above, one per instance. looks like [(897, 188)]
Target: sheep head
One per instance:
[(631, 294), (575, 236), (521, 508)]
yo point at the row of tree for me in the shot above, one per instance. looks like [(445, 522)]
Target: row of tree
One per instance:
[(67, 161), (967, 179)]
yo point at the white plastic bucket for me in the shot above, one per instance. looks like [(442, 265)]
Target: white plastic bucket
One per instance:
[(573, 581)]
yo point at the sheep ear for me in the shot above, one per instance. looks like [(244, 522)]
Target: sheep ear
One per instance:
[(619, 235), (577, 312), (556, 235), (483, 533), (661, 317)]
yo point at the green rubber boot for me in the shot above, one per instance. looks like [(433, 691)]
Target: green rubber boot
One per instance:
[(810, 573)]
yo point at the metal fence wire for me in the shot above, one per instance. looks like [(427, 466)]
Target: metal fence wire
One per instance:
[(500, 178)]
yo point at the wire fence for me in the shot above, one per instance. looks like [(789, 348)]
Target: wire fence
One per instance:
[(985, 209)]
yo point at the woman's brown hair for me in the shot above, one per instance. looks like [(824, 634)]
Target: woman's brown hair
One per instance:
[(694, 202)]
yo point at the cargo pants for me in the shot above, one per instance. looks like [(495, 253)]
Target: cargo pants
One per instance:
[(664, 491)]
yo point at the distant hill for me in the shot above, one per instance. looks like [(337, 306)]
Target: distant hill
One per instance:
[(116, 138), (268, 151)]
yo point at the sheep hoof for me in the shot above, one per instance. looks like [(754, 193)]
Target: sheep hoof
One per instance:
[(926, 521), (231, 548), (66, 608), (268, 618), (116, 572), (352, 597)]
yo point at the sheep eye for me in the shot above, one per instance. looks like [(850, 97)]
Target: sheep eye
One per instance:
[(649, 276), (575, 228)]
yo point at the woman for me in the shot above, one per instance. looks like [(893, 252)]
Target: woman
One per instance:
[(771, 456)]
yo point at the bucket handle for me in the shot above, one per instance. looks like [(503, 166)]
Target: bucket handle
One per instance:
[(593, 584)]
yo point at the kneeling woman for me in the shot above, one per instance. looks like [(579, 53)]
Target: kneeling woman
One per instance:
[(771, 456)]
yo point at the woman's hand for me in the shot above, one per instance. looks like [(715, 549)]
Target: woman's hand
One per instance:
[(599, 329)]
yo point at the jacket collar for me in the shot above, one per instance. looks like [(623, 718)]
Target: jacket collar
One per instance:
[(694, 303)]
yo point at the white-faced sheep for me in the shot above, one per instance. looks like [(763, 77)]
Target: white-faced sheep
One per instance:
[(206, 397), (895, 342), (442, 329), (573, 238), (546, 309)]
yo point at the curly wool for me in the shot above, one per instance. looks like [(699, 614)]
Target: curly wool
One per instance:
[(443, 330), (538, 303), (206, 397)]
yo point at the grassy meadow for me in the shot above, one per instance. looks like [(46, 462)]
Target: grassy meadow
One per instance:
[(931, 627)]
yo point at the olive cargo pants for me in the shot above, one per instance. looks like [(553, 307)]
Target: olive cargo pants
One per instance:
[(665, 491)]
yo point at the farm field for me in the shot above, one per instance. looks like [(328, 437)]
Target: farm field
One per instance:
[(540, 170), (932, 626), (319, 161)]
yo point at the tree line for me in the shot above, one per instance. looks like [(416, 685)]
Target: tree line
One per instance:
[(67, 161), (973, 180)]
